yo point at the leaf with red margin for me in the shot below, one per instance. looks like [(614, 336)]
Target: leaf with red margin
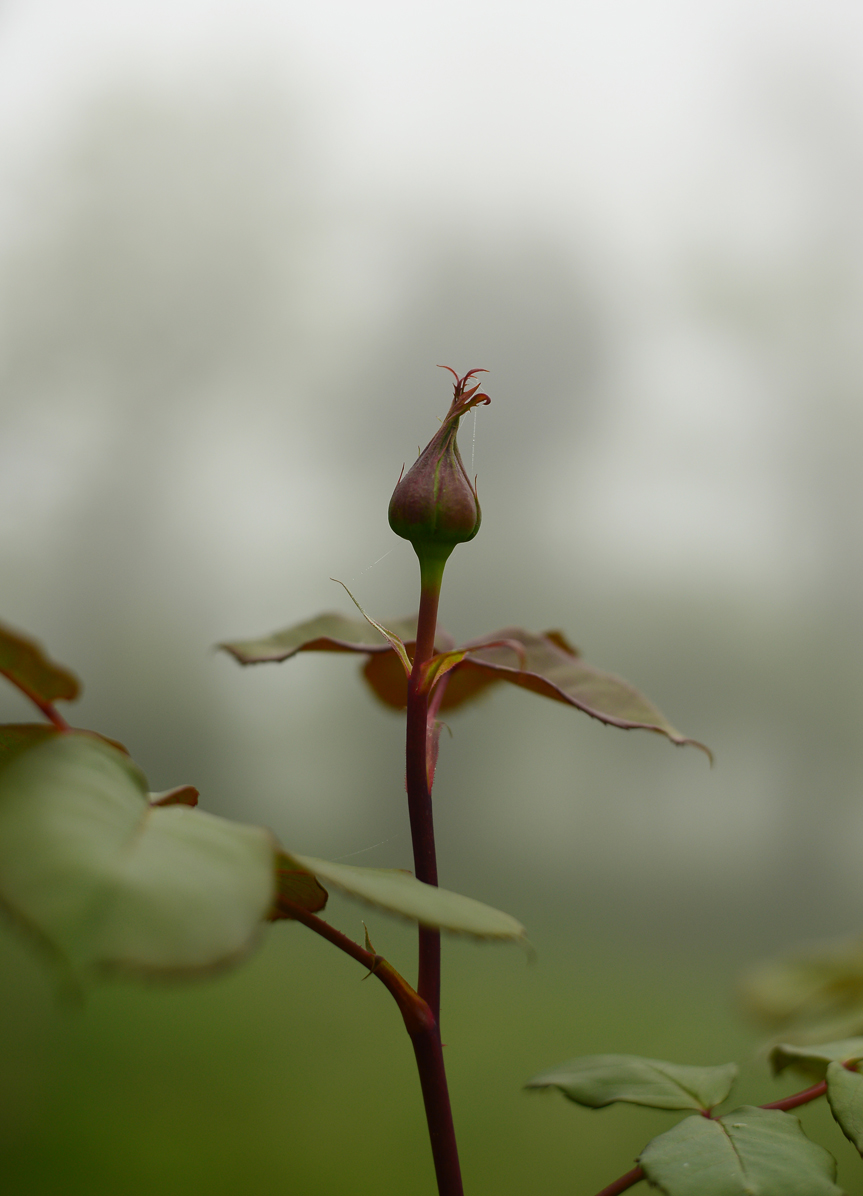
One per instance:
[(297, 885), (183, 795), (24, 663), (329, 633), (552, 670)]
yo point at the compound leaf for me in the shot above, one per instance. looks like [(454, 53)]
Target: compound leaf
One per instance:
[(845, 1096), (599, 1080), (24, 663), (814, 1060), (400, 893), (747, 1152), (109, 881)]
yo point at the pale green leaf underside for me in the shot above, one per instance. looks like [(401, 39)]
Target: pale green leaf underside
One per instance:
[(109, 881), (748, 1152), (598, 1080), (813, 1060), (400, 893), (845, 1095)]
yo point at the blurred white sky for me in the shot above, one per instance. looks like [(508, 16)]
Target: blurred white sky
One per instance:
[(620, 109)]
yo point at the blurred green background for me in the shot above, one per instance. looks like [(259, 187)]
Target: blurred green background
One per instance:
[(234, 246)]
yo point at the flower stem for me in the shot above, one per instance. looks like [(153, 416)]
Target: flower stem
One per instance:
[(417, 777), (427, 1047)]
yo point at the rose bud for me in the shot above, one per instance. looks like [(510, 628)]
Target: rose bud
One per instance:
[(434, 504)]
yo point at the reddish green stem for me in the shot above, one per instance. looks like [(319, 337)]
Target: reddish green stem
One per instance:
[(799, 1098), (418, 787), (428, 1049), (626, 1181)]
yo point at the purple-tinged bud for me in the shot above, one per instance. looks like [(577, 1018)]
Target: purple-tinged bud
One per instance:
[(434, 504)]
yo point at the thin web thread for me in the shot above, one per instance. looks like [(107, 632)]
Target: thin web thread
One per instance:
[(365, 850), (368, 568)]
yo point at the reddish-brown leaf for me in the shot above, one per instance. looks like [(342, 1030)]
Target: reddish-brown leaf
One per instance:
[(549, 667), (24, 663), (328, 633)]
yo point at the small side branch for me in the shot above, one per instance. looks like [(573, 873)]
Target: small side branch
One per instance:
[(626, 1181), (424, 1034)]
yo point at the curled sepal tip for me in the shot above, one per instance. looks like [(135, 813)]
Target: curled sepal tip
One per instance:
[(435, 505)]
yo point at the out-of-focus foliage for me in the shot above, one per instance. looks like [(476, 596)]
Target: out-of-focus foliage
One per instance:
[(814, 992), (105, 880), (24, 664)]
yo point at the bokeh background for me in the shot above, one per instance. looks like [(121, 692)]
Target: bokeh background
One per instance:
[(236, 240)]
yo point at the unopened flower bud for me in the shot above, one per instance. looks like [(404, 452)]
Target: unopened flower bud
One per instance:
[(434, 505)]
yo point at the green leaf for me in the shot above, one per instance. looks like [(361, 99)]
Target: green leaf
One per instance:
[(15, 738), (748, 1152), (845, 1096), (550, 668), (598, 1080), (109, 880), (25, 664), (814, 1060), (328, 633), (400, 893), (816, 990)]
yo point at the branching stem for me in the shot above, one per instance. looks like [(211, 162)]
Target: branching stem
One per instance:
[(425, 1039)]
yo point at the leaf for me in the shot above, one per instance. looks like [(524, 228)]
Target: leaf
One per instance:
[(26, 666), (15, 738), (814, 1060), (553, 670), (845, 1097), (400, 893), (748, 1152), (110, 881), (385, 677), (599, 1080), (183, 795), (297, 885), (816, 990), (329, 633), (326, 633)]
